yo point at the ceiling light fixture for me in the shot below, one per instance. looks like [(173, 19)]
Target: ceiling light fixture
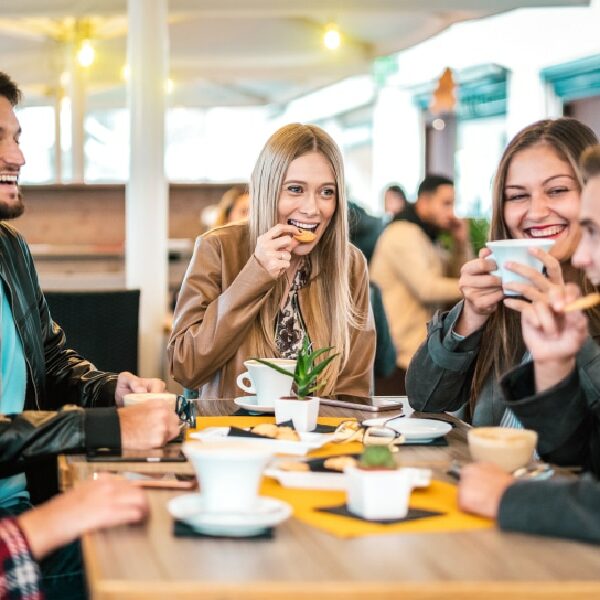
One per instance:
[(86, 54), (169, 86), (332, 37)]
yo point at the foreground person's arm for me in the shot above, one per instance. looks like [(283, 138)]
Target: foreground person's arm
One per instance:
[(566, 509), (91, 505), (31, 536)]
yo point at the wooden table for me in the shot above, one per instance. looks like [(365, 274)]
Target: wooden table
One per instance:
[(146, 561)]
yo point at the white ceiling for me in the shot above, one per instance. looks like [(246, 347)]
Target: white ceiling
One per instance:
[(230, 52)]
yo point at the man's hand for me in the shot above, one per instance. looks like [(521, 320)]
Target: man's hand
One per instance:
[(128, 383), (459, 230), (91, 505), (481, 488), (148, 425)]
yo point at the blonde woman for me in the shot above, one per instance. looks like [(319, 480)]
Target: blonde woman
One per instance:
[(536, 195), (234, 206), (254, 289)]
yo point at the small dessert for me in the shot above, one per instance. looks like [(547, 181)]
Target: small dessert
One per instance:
[(305, 237), (339, 463), (294, 465), (274, 432)]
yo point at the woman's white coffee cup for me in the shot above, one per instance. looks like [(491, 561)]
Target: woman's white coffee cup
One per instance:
[(506, 447), (267, 383), (516, 251)]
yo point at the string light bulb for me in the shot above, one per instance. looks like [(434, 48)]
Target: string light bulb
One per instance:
[(169, 86), (86, 54), (332, 37), (125, 72)]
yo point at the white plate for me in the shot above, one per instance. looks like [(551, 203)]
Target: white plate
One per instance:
[(332, 481), (249, 403), (308, 440), (267, 513), (308, 479), (421, 430)]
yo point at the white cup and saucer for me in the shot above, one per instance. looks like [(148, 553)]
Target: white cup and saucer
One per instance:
[(228, 504), (266, 384)]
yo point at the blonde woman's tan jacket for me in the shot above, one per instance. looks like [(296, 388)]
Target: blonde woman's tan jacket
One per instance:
[(221, 296)]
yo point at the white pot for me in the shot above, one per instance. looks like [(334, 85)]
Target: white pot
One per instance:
[(302, 413), (379, 494)]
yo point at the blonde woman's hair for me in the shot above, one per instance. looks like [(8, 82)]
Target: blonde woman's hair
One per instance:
[(590, 163), (330, 302), (502, 345), (227, 203)]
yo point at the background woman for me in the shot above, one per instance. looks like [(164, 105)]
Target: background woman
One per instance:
[(536, 195), (234, 206), (253, 289)]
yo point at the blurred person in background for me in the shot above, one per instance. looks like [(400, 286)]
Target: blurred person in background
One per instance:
[(536, 194), (415, 274), (234, 206), (394, 201), (258, 288), (558, 399)]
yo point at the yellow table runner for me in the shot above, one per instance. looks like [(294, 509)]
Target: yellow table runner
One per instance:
[(439, 496)]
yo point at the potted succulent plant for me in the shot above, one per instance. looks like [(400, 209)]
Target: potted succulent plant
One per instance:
[(302, 408), (376, 488)]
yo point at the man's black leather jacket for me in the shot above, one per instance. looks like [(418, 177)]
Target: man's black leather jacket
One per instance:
[(56, 376)]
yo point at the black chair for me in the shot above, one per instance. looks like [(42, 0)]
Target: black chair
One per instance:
[(102, 326)]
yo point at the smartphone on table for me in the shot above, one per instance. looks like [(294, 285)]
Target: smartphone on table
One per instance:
[(166, 454), (157, 481), (370, 403)]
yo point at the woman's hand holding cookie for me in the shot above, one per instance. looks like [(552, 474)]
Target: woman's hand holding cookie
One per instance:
[(274, 249)]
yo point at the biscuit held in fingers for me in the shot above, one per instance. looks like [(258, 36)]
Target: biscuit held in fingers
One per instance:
[(305, 237)]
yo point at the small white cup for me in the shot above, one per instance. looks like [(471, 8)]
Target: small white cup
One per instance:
[(229, 473), (267, 383), (302, 413), (516, 250), (379, 494), (140, 398)]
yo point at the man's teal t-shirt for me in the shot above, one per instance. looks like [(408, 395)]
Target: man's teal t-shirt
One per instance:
[(12, 390)]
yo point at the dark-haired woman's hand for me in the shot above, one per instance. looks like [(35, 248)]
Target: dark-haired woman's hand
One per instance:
[(274, 249), (481, 290)]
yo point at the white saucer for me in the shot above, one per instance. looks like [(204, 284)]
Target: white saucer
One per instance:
[(249, 403), (415, 430), (267, 513)]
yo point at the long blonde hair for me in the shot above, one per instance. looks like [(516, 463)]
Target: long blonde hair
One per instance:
[(502, 345), (330, 301)]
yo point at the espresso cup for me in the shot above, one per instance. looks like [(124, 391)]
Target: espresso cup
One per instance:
[(508, 448), (267, 383), (516, 251), (140, 398), (229, 473)]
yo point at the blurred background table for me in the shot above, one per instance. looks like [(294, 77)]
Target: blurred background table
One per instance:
[(147, 561)]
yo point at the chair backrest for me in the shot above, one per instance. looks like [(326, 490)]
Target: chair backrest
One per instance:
[(102, 326)]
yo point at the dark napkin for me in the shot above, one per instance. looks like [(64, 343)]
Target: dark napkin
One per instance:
[(316, 464), (317, 429), (181, 529), (414, 514), (242, 412), (238, 432)]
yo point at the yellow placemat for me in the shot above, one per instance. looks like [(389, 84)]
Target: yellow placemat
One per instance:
[(439, 496)]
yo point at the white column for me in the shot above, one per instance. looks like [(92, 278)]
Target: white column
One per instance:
[(147, 189), (529, 99), (58, 171), (77, 91), (398, 148)]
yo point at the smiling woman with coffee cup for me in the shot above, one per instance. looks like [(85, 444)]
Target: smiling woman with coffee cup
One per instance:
[(536, 195), (256, 289)]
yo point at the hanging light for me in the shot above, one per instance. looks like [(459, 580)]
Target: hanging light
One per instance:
[(125, 72), (169, 86), (332, 37), (443, 99), (86, 54)]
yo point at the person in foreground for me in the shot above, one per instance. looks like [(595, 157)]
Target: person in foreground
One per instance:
[(536, 195), (258, 288), (51, 399), (28, 539), (551, 395)]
